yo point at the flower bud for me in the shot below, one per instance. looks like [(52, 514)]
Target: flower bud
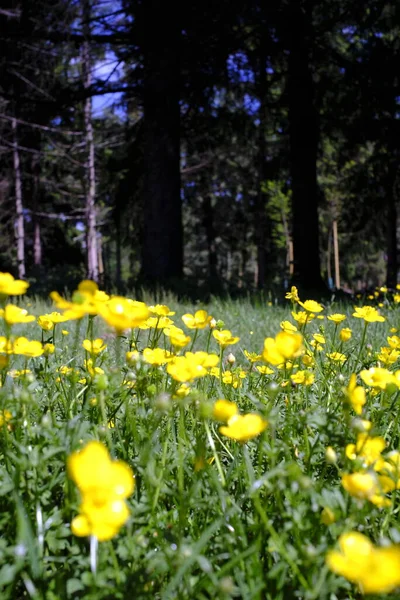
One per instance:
[(330, 456), (231, 359), (327, 516)]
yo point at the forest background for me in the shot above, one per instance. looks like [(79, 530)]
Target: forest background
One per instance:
[(207, 147)]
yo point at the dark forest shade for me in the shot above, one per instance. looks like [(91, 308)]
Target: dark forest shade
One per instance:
[(303, 134), (162, 229)]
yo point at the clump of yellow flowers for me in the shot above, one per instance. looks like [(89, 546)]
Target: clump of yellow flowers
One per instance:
[(104, 485)]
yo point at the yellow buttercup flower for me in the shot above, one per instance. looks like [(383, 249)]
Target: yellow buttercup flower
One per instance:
[(345, 334), (104, 485), (368, 313), (356, 394), (199, 320), (368, 449), (123, 313), (177, 336), (293, 295), (377, 378), (252, 356), (302, 317), (192, 365), (288, 327), (14, 314), (28, 348), (264, 370), (161, 310), (388, 356), (336, 318), (47, 321), (12, 287), (94, 347), (375, 570), (48, 349), (303, 377), (157, 356), (225, 338), (327, 516), (394, 341), (5, 417), (337, 357), (285, 346), (224, 410), (244, 427), (361, 485), (312, 306)]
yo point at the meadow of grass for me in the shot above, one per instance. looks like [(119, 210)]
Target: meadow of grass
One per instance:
[(123, 475)]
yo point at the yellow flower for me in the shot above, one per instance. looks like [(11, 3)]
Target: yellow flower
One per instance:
[(303, 377), (224, 338), (182, 391), (177, 336), (156, 323), (311, 306), (48, 349), (192, 365), (345, 334), (86, 300), (161, 310), (288, 327), (337, 318), (157, 356), (12, 287), (104, 484), (360, 485), (368, 449), (318, 337), (94, 347), (244, 427), (302, 317), (28, 348), (224, 410), (396, 298), (293, 295), (356, 394), (337, 357), (47, 321), (377, 377), (14, 314), (307, 360), (368, 313), (199, 320), (388, 356), (394, 341), (5, 417), (123, 313), (375, 570), (252, 356), (264, 370), (285, 346)]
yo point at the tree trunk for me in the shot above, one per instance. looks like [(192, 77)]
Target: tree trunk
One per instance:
[(208, 221), (391, 233), (261, 219), (19, 229), (162, 251), (91, 241), (303, 134)]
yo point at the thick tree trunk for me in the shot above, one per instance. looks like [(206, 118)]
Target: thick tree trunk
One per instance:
[(91, 241), (19, 229), (162, 254), (303, 133)]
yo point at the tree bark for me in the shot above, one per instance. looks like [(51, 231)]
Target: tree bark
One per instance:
[(20, 228), (91, 241), (162, 250), (303, 134), (262, 228)]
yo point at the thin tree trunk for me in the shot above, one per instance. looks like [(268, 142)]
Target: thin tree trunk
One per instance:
[(261, 219), (20, 229), (91, 241), (162, 250), (391, 237), (303, 134), (208, 221)]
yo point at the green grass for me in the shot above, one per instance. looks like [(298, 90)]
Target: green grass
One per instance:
[(210, 517)]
